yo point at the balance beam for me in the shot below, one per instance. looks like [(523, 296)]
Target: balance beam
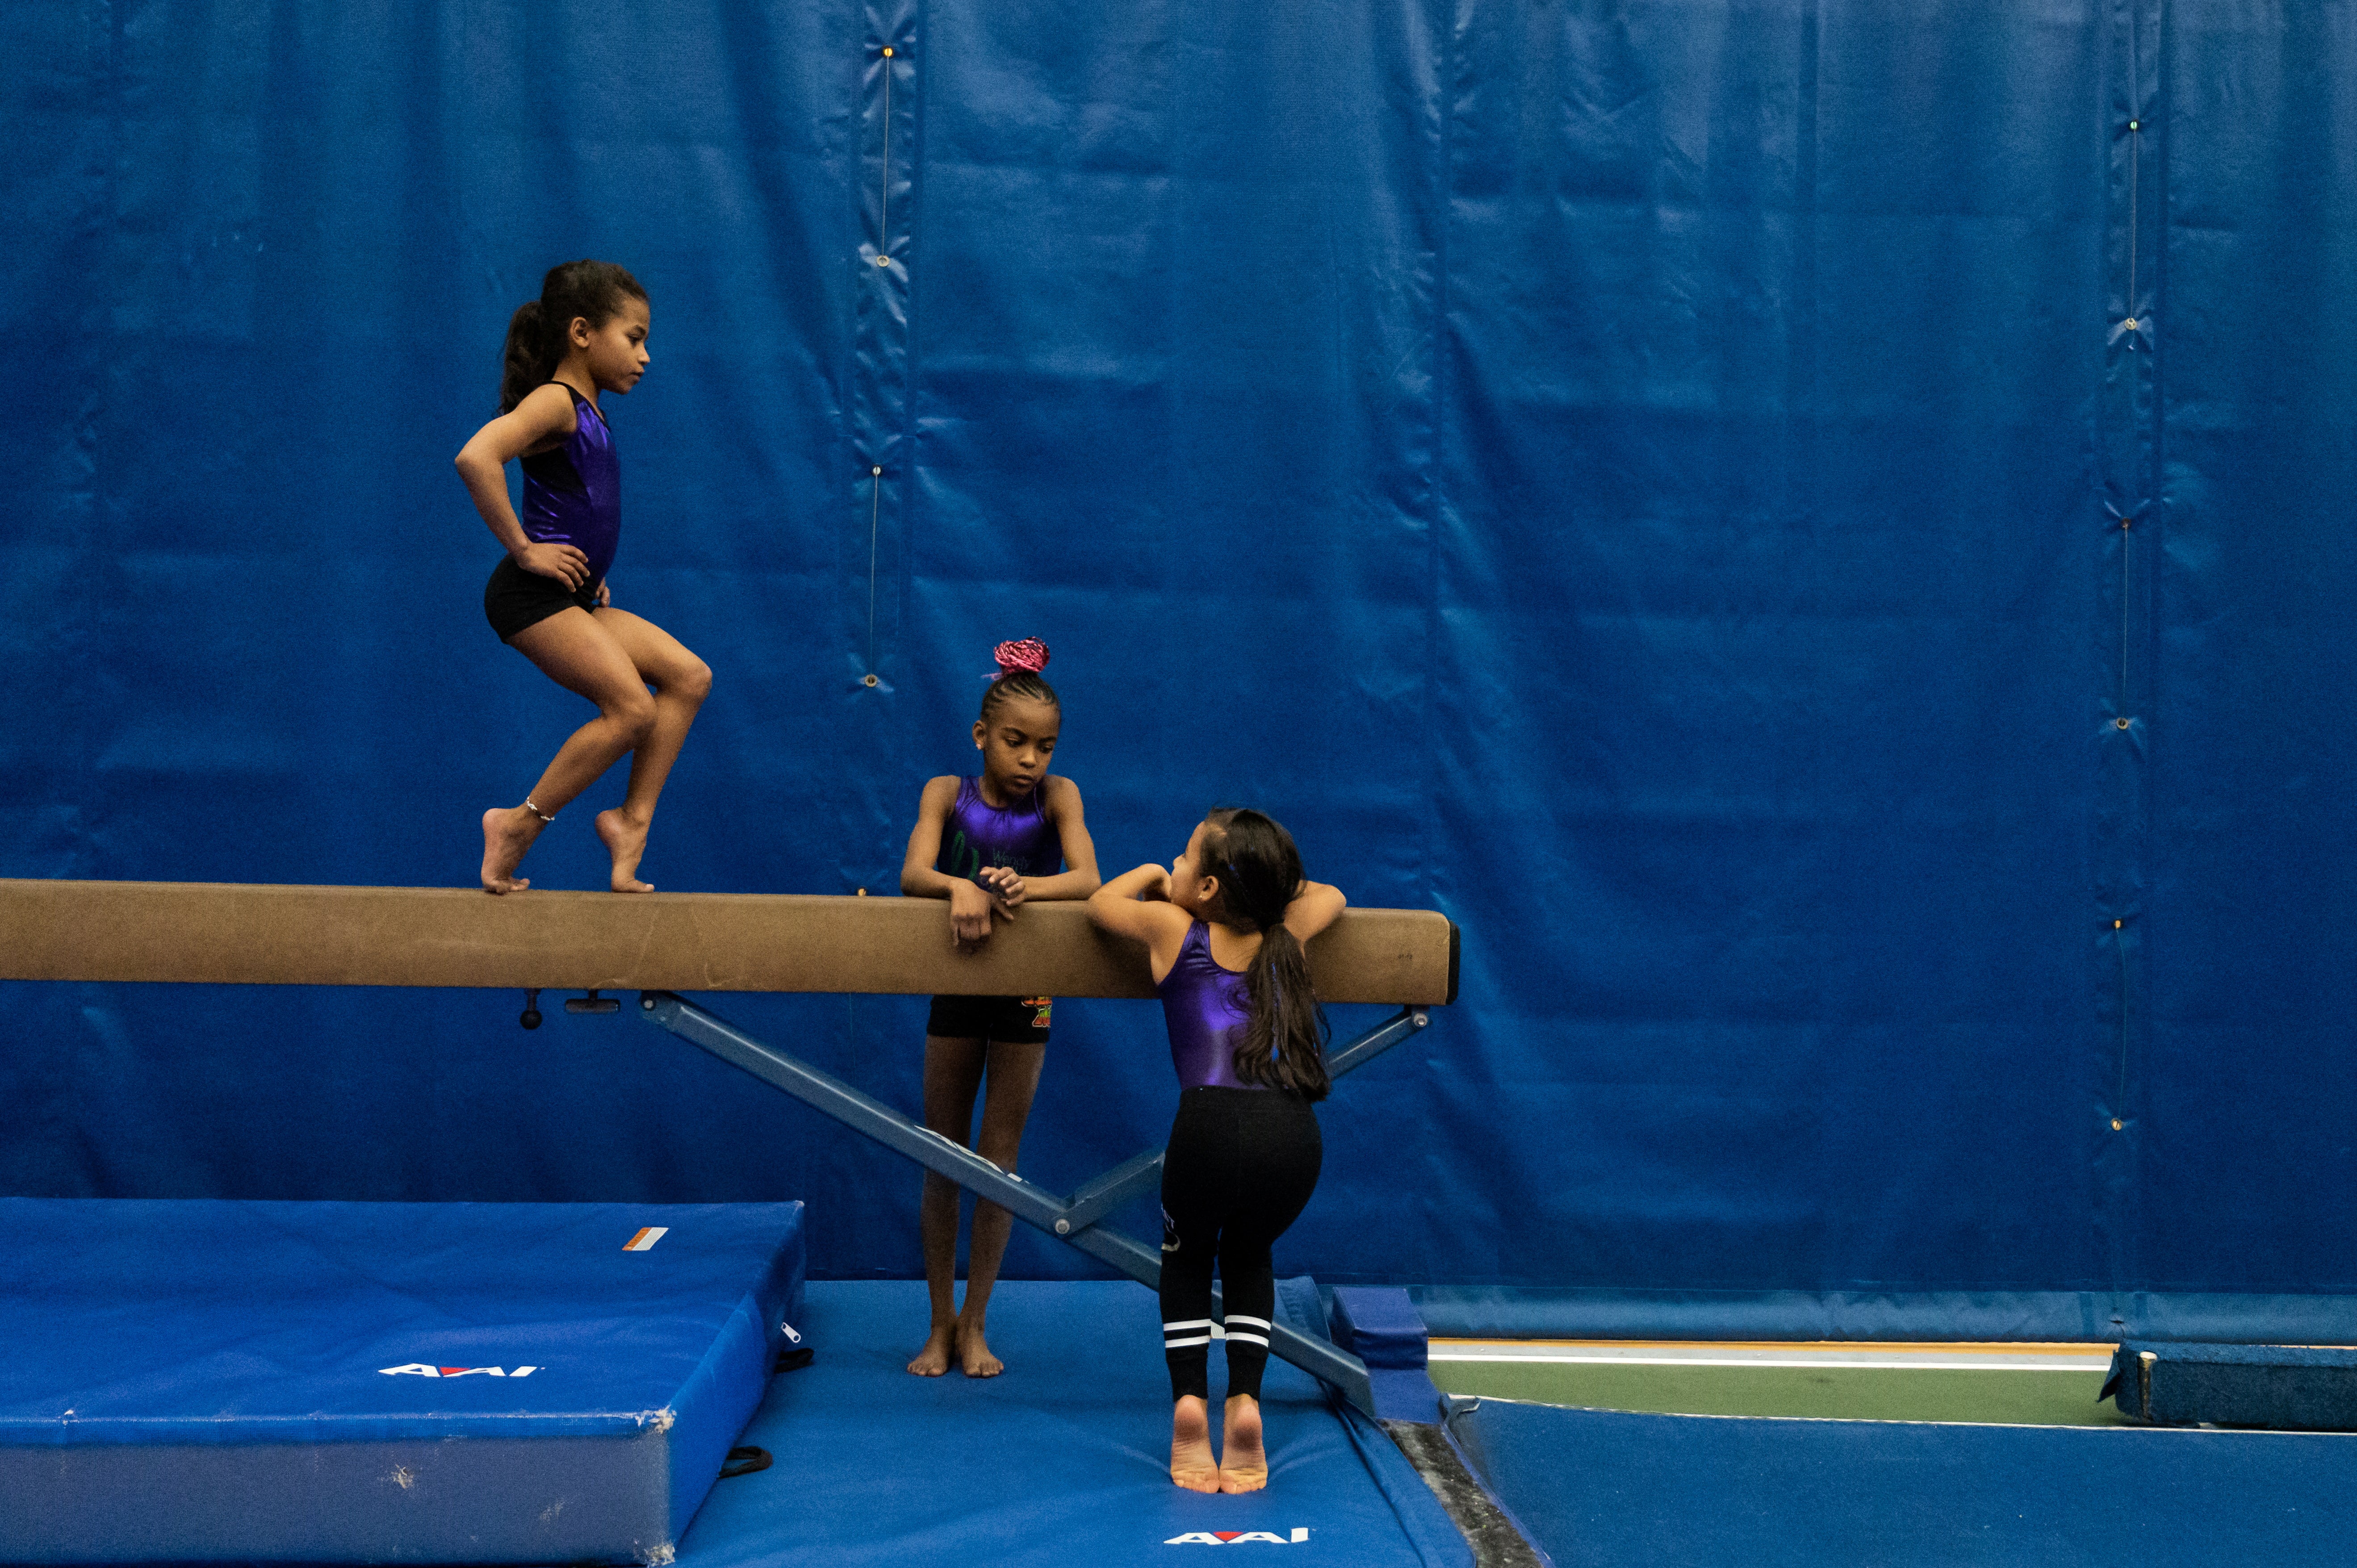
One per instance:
[(257, 934)]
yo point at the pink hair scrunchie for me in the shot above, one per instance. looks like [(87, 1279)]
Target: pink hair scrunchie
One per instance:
[(1026, 655)]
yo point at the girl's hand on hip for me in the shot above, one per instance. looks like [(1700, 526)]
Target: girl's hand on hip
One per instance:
[(563, 562)]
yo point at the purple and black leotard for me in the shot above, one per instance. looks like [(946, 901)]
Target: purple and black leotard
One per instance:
[(1240, 1164), (1021, 837), (572, 495)]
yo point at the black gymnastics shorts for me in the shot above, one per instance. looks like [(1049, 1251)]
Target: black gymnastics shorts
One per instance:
[(1017, 1020), (515, 599)]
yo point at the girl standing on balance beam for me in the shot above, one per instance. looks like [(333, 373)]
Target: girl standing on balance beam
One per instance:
[(584, 336), (989, 844), (1224, 930)]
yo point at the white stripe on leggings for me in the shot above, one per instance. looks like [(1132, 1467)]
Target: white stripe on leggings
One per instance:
[(1185, 1344), (1242, 1338)]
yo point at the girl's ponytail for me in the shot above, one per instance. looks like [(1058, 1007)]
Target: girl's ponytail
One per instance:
[(1259, 871), (593, 291), (1285, 1047), (525, 361)]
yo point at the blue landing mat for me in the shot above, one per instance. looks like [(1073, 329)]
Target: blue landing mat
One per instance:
[(1605, 1488), (284, 1381), (1063, 1460)]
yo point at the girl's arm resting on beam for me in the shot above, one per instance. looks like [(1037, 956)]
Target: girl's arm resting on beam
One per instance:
[(969, 904), (1079, 878), (1318, 905), (1137, 905)]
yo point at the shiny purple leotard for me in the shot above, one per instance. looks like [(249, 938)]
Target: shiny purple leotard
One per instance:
[(573, 493), (1204, 1007), (1018, 836)]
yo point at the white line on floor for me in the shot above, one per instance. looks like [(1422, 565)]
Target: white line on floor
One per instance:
[(1880, 1358)]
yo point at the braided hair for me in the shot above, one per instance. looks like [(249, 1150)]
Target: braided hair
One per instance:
[(1019, 663), (1259, 873), (594, 290)]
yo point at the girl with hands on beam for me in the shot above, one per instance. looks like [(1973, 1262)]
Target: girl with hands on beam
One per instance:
[(584, 336), (989, 844), (1224, 930)]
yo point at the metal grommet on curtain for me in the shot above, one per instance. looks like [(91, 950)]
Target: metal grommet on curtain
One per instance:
[(2119, 723)]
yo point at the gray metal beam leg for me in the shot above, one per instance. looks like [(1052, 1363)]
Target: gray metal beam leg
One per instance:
[(1074, 1219)]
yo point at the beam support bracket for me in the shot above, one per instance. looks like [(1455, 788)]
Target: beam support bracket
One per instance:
[(1076, 1220)]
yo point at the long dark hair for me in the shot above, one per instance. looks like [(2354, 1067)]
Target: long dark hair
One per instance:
[(1259, 872), (537, 332)]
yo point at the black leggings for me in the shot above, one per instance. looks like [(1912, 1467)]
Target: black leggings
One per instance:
[(1240, 1169)]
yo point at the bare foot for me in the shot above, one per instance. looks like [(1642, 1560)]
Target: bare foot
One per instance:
[(1243, 1467), (626, 841), (934, 1359), (974, 1358), (508, 831), (1191, 1465)]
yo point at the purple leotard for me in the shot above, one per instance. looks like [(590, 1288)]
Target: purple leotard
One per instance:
[(1203, 1005), (573, 493), (1019, 836)]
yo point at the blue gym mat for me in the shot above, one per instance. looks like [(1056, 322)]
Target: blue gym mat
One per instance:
[(284, 1381), (1064, 1459), (1608, 1487)]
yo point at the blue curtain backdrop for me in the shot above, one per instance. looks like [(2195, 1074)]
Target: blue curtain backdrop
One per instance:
[(1814, 530)]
